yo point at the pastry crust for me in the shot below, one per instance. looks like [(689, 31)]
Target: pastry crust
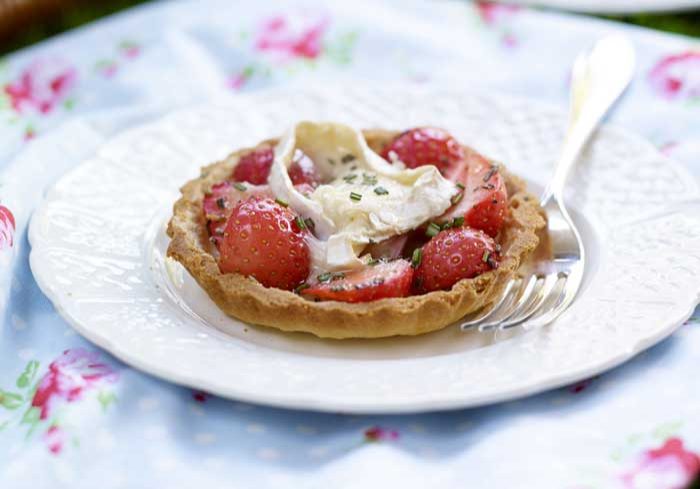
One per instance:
[(245, 299)]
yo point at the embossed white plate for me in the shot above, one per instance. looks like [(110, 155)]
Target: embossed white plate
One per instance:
[(98, 253)]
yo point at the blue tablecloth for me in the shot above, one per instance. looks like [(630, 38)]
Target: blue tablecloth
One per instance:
[(73, 416)]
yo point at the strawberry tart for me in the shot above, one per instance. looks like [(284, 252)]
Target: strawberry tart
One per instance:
[(354, 234)]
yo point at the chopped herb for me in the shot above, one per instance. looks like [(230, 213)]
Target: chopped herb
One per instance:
[(460, 186), (309, 223), (331, 161), (239, 186), (372, 262), (488, 186), (302, 286), (457, 198), (300, 222), (282, 202), (492, 172), (221, 203), (433, 230), (354, 196), (381, 191), (457, 221), (348, 158), (337, 276), (369, 179), (417, 257), (350, 178), (324, 277), (485, 257), (446, 225)]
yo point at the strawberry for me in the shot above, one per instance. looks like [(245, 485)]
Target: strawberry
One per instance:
[(303, 171), (425, 146), (483, 201), (263, 239), (453, 255), (378, 281), (218, 203), (254, 167)]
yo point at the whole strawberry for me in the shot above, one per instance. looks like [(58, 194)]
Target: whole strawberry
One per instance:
[(263, 239), (453, 255), (425, 146), (254, 167)]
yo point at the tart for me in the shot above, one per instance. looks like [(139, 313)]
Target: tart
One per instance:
[(354, 234)]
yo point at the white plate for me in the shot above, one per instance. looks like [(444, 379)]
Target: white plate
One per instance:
[(616, 6), (98, 244)]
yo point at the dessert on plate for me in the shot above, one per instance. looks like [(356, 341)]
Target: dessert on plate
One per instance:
[(354, 234)]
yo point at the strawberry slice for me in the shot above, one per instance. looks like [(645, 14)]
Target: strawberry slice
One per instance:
[(263, 239), (302, 171), (483, 201), (388, 249), (453, 255), (219, 202), (379, 281), (425, 146), (254, 167)]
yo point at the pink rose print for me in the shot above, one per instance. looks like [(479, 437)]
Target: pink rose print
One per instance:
[(41, 86), (109, 67), (130, 49), (280, 36), (671, 466), (677, 76), (68, 377), (492, 12), (377, 433), (54, 439), (7, 228)]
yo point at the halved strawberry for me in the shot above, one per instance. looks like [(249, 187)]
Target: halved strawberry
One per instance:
[(263, 239), (453, 255), (303, 171), (219, 202), (483, 201), (379, 281), (254, 167), (425, 146)]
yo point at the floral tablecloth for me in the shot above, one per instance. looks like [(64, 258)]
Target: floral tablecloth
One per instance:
[(73, 416)]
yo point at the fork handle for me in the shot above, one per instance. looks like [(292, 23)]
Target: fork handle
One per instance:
[(598, 79)]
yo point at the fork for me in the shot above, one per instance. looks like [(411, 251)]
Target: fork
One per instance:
[(599, 77)]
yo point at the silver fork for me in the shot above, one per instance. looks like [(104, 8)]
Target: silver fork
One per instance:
[(599, 77)]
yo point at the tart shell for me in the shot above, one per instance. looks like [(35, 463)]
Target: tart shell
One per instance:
[(247, 300)]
